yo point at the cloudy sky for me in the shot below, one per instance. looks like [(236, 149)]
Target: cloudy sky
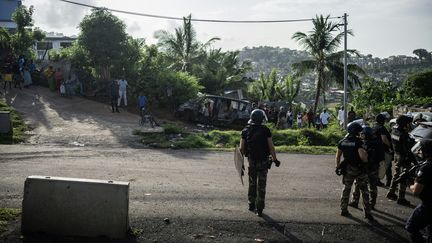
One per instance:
[(381, 27)]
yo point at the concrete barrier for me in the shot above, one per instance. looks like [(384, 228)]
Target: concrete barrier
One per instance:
[(75, 207), (5, 122)]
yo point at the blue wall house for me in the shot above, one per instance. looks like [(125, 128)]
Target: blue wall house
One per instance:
[(7, 7)]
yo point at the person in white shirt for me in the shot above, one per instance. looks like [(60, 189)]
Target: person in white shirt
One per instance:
[(325, 117), (341, 117), (122, 91)]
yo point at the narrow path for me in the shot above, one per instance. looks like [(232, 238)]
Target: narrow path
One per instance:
[(71, 120)]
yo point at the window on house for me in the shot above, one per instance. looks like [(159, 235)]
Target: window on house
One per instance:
[(43, 45), (65, 44)]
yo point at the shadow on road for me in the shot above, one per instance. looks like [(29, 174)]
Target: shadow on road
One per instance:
[(381, 230), (281, 229), (390, 215)]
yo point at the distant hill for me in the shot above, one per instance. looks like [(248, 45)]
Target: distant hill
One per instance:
[(264, 58), (392, 69)]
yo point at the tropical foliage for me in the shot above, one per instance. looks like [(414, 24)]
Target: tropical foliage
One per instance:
[(182, 47), (325, 62), (104, 38)]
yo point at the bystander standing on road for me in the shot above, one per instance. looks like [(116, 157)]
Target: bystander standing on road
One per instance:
[(123, 84), (114, 96), (310, 118), (299, 120), (142, 102), (282, 118), (58, 78), (325, 118), (290, 119), (341, 117)]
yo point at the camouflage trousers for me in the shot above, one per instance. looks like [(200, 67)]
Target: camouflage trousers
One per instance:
[(373, 188), (257, 184), (400, 166), (362, 180)]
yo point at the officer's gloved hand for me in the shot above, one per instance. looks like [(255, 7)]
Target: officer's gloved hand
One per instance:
[(338, 171), (277, 162)]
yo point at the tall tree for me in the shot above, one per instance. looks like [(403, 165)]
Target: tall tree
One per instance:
[(25, 36), (104, 37), (321, 44), (423, 54), (182, 47), (219, 71)]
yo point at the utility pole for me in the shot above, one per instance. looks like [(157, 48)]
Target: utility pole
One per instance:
[(345, 72)]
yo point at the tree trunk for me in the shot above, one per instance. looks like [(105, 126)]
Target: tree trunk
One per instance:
[(317, 95), (105, 74), (318, 88)]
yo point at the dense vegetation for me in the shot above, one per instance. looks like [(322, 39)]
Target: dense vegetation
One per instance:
[(289, 140)]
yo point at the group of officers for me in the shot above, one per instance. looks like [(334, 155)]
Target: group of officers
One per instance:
[(363, 149)]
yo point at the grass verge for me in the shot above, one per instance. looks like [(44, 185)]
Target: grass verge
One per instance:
[(6, 215), (19, 127), (305, 141)]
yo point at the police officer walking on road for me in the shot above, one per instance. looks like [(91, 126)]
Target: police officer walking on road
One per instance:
[(383, 134), (375, 152), (256, 144), (422, 187), (402, 144), (353, 168)]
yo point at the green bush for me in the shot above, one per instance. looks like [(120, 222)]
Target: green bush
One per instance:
[(192, 141), (308, 141), (419, 85), (226, 139), (170, 128)]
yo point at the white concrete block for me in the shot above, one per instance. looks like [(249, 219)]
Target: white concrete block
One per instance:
[(75, 207)]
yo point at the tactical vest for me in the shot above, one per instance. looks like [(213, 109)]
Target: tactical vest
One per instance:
[(349, 146), (401, 142), (256, 143)]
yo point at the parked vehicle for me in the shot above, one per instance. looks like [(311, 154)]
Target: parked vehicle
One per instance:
[(423, 130), (215, 110)]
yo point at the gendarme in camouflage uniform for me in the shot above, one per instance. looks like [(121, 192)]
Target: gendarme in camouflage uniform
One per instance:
[(402, 144), (375, 150), (350, 148), (256, 144)]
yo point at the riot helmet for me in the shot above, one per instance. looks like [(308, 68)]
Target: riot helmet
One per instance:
[(380, 118), (257, 117), (403, 120), (353, 128), (367, 131), (426, 147)]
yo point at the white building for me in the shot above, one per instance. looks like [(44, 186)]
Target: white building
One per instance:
[(7, 7), (52, 41)]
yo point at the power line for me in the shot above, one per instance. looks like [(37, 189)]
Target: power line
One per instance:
[(195, 20)]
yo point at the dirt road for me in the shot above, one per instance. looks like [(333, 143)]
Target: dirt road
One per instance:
[(197, 190)]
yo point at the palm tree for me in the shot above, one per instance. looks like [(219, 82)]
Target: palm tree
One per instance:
[(288, 89), (266, 88), (182, 47), (321, 44)]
